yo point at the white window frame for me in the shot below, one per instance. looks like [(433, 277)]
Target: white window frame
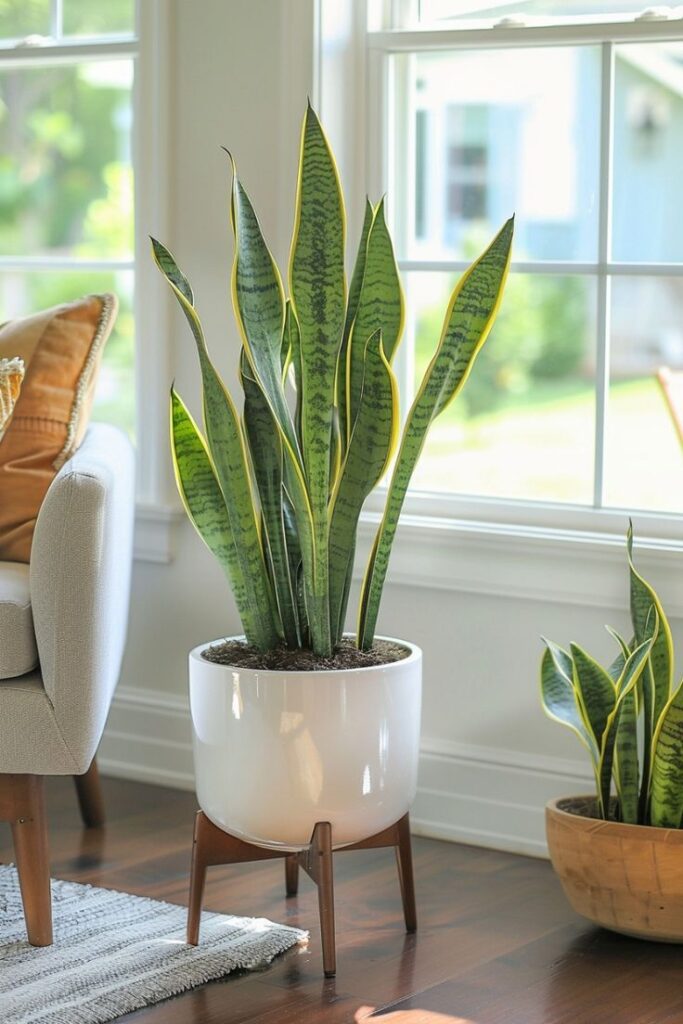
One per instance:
[(149, 49), (362, 76)]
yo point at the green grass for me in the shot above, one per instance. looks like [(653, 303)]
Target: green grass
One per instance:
[(540, 445)]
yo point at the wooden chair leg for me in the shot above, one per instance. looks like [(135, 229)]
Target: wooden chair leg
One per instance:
[(90, 800), (404, 858), (292, 874), (29, 833)]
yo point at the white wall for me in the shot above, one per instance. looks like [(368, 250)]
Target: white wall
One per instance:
[(476, 601)]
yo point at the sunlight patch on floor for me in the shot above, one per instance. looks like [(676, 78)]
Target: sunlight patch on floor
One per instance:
[(364, 1014)]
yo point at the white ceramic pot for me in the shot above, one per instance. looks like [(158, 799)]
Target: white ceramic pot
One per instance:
[(276, 752)]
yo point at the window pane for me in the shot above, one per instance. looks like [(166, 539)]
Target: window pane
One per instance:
[(85, 18), (26, 293), (648, 153), (493, 132), (644, 461), (21, 18), (434, 10), (523, 425), (65, 160)]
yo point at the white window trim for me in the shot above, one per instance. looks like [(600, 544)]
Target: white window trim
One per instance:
[(156, 506), (452, 522)]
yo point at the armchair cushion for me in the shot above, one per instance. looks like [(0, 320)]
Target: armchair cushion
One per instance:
[(51, 719), (18, 651)]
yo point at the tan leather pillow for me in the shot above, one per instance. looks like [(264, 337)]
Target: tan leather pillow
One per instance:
[(61, 349)]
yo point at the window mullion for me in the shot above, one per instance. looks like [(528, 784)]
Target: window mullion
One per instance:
[(56, 19), (602, 369)]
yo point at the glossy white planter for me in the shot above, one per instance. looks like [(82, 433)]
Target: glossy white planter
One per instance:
[(276, 752)]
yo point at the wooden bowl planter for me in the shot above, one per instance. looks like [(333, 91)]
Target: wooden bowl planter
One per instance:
[(628, 878)]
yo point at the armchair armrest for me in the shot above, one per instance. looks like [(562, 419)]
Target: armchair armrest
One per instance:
[(80, 584)]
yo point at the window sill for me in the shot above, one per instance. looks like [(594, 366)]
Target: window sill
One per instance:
[(506, 560), (535, 563)]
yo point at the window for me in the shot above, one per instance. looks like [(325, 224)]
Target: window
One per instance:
[(570, 114), (66, 169)]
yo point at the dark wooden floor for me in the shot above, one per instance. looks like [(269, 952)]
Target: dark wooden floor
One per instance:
[(497, 944)]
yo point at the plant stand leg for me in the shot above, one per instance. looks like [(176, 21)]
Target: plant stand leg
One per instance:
[(214, 846), (317, 862), (404, 859), (292, 874), (197, 879)]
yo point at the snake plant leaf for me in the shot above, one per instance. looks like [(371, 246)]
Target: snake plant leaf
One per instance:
[(318, 292), (259, 303), (617, 666), (268, 326), (471, 311), (626, 764), (595, 691), (229, 458), (560, 701), (368, 454), (200, 493), (380, 307), (351, 307), (657, 680), (296, 570), (292, 342), (666, 798), (625, 688), (562, 660), (265, 446)]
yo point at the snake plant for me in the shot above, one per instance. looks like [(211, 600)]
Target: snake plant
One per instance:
[(629, 716), (276, 493)]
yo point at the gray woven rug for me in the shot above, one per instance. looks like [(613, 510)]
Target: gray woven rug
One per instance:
[(114, 953)]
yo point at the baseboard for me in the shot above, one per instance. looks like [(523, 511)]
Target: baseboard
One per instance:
[(148, 739), (490, 797), (466, 793)]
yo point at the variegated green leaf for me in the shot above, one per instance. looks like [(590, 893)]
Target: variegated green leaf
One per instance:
[(228, 455), (292, 342), (625, 687), (595, 691), (201, 494), (318, 292), (616, 667), (369, 451), (666, 798), (380, 307), (351, 307), (657, 680), (265, 446), (259, 304), (560, 702), (469, 318), (626, 765)]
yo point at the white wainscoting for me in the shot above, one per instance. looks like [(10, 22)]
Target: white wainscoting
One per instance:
[(466, 794)]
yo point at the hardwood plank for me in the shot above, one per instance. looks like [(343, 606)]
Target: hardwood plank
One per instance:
[(497, 942)]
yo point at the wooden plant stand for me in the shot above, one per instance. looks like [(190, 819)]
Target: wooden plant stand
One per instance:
[(214, 846)]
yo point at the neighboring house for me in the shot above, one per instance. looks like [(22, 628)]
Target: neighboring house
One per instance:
[(511, 130)]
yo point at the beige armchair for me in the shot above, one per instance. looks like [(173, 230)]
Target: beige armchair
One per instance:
[(62, 633)]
